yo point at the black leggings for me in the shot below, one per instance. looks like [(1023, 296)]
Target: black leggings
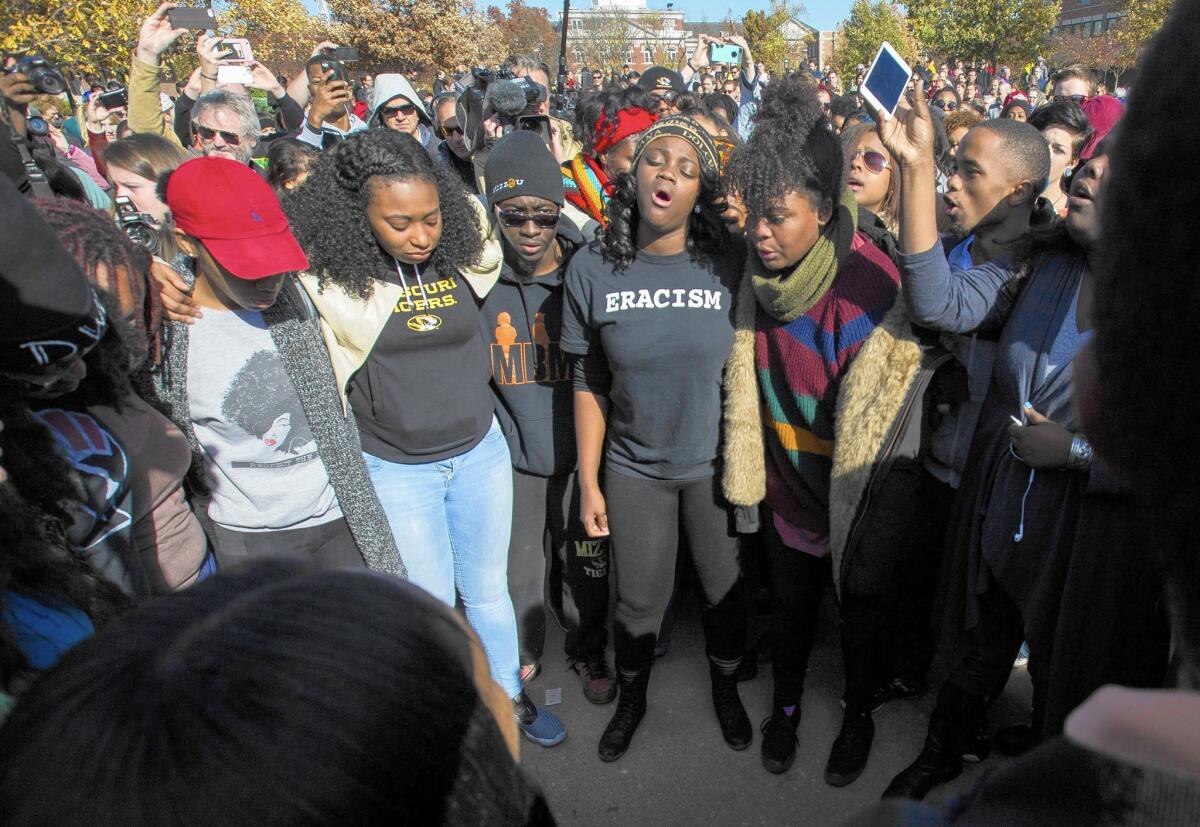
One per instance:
[(546, 523), (645, 518), (798, 582)]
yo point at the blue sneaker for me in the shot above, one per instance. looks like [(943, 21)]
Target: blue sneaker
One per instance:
[(537, 724)]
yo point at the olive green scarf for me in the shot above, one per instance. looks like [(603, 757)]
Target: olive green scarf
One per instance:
[(789, 295)]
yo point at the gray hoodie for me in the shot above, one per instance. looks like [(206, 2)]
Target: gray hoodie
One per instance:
[(390, 86)]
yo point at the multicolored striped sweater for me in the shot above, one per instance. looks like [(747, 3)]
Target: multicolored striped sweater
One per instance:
[(800, 366)]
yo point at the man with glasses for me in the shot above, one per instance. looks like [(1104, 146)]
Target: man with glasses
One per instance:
[(531, 382), (1074, 83), (453, 151), (665, 85), (395, 105), (946, 99), (225, 125)]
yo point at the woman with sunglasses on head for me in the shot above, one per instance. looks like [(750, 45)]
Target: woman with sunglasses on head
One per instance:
[(391, 237), (815, 287), (1034, 507), (649, 321), (521, 323)]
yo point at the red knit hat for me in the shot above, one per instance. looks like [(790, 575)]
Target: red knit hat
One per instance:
[(629, 121)]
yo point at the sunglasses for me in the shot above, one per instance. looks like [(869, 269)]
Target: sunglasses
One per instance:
[(945, 105), (513, 220), (1079, 99), (392, 111), (447, 131), (875, 162), (206, 134)]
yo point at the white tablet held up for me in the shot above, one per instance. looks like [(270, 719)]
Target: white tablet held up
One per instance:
[(886, 80)]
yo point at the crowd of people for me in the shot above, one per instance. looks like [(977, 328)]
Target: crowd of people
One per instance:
[(321, 394)]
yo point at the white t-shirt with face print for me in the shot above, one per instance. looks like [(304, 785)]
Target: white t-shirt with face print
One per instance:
[(260, 458)]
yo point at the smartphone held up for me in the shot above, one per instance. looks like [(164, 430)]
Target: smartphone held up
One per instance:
[(886, 80)]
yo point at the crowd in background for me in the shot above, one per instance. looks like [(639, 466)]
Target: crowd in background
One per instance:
[(321, 394)]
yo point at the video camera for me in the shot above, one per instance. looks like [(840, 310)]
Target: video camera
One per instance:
[(513, 101), (43, 75), (138, 226)]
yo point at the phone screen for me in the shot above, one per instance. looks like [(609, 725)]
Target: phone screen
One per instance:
[(887, 80)]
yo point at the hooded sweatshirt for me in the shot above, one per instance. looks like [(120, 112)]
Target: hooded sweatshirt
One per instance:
[(388, 87), (521, 320)]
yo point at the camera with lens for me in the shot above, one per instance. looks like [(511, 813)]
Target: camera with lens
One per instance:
[(43, 75), (139, 226), (340, 72)]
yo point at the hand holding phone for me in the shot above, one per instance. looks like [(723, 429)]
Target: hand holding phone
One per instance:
[(184, 17), (724, 53), (886, 80)]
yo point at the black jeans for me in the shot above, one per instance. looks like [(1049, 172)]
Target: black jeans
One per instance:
[(888, 584), (545, 525), (798, 582), (330, 544), (645, 518)]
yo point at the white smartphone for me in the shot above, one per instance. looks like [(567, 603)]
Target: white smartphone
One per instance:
[(237, 73), (886, 80)]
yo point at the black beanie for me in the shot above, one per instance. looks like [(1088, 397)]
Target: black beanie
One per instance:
[(519, 164), (50, 310)]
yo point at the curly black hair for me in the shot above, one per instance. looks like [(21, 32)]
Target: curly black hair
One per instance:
[(328, 212), (607, 103), (260, 392), (706, 233), (792, 149)]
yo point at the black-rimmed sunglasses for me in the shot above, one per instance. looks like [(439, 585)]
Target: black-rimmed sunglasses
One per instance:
[(945, 105), (206, 134), (392, 111), (513, 220)]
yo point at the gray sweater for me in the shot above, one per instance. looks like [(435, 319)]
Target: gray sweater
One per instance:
[(294, 331)]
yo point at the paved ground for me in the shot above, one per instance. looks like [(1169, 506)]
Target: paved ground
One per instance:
[(679, 771)]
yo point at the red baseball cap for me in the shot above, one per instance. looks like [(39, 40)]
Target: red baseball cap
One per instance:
[(229, 207)]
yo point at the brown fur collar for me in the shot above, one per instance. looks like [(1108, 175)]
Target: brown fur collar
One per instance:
[(871, 397)]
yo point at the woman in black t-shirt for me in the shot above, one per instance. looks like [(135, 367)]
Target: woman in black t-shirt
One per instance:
[(389, 235), (649, 321)]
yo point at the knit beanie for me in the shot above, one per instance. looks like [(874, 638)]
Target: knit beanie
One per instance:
[(681, 126), (519, 164), (50, 309)]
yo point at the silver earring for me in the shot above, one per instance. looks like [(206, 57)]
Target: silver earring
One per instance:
[(696, 209)]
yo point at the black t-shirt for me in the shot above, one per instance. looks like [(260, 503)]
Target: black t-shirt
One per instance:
[(422, 395), (664, 328)]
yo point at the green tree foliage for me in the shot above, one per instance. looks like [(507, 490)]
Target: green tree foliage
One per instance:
[(764, 34), (1144, 19), (871, 22), (525, 30), (1011, 31)]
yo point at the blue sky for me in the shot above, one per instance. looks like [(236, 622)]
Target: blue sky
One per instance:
[(824, 14)]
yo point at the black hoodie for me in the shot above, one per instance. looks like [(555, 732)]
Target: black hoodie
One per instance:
[(520, 321)]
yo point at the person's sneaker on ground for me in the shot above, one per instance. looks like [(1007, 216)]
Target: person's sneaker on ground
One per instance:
[(779, 739), (536, 723), (596, 678), (529, 671)]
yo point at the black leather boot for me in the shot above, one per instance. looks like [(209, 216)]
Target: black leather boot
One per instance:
[(955, 718), (631, 708), (735, 723)]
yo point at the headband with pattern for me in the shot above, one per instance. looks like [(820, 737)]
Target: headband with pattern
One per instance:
[(681, 126)]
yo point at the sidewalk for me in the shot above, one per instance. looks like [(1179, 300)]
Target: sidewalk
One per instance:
[(678, 770)]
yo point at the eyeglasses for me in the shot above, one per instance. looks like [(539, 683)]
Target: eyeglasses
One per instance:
[(945, 105), (664, 94), (875, 162), (513, 220), (1079, 99), (206, 134), (447, 131), (392, 111)]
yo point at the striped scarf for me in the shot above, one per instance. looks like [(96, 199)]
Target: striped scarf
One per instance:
[(585, 185)]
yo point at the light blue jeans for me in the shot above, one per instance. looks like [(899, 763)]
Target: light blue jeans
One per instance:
[(451, 520)]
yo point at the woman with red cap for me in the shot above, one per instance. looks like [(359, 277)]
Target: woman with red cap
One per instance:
[(616, 117)]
